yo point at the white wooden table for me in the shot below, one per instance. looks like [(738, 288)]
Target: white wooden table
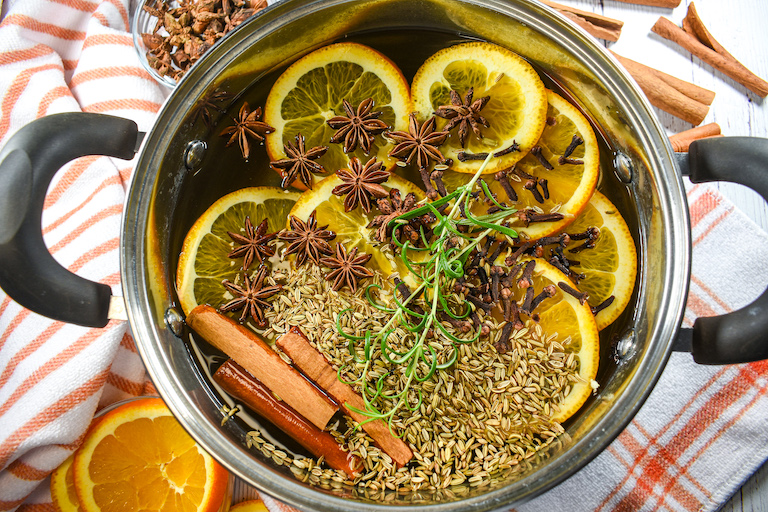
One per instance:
[(740, 26)]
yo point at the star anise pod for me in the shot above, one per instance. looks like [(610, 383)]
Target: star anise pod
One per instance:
[(360, 183), (251, 297), (299, 164), (210, 102), (247, 125), (347, 268), (419, 142), (465, 114), (357, 127), (255, 243), (306, 240), (393, 207)]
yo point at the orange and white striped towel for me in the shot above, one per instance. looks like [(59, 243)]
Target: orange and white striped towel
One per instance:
[(60, 56), (701, 433)]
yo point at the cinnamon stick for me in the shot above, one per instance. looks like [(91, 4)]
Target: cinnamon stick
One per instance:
[(670, 4), (597, 25), (235, 380), (313, 365), (682, 99), (253, 354), (681, 141), (723, 62)]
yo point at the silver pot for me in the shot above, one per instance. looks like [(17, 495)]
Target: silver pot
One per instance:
[(642, 175)]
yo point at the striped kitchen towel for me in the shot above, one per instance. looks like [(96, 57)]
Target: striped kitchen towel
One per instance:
[(701, 433), (65, 56)]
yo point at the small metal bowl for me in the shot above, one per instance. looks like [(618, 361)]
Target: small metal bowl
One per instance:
[(144, 23)]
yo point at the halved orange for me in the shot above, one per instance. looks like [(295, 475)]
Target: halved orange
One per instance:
[(138, 457), (63, 491), (249, 506)]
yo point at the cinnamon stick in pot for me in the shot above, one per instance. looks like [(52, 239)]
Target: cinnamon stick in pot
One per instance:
[(236, 381), (253, 354), (313, 365)]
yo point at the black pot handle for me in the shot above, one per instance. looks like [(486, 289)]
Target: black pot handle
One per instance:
[(28, 162), (740, 336)]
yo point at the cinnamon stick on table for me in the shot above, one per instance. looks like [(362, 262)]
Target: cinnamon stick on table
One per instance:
[(243, 386), (253, 354), (681, 141), (597, 25), (695, 38), (313, 365), (682, 99), (671, 4)]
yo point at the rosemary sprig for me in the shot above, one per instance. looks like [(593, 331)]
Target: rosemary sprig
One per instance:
[(435, 275)]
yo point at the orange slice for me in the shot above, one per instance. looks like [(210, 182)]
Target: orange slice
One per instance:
[(312, 90), (610, 268), (563, 315), (569, 185), (515, 112), (203, 262)]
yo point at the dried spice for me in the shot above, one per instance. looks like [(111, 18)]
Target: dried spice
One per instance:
[(300, 163), (393, 207), (247, 125), (464, 114), (251, 297), (254, 245), (211, 102), (306, 240), (419, 142), (358, 127), (360, 183), (183, 34), (347, 268)]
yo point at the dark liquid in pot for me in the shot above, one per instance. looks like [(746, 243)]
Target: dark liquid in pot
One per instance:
[(224, 171)]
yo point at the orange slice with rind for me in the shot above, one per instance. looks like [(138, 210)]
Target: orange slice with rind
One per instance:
[(515, 112), (312, 91)]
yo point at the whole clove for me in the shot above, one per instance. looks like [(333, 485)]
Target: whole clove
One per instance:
[(581, 296), (526, 280), (548, 291), (503, 180), (607, 302), (536, 152)]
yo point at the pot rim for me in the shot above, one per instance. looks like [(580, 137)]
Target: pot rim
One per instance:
[(147, 322)]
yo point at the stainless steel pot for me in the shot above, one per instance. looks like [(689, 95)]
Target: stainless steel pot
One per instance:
[(642, 175)]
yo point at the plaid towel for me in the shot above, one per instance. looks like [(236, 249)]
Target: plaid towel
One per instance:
[(699, 436)]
